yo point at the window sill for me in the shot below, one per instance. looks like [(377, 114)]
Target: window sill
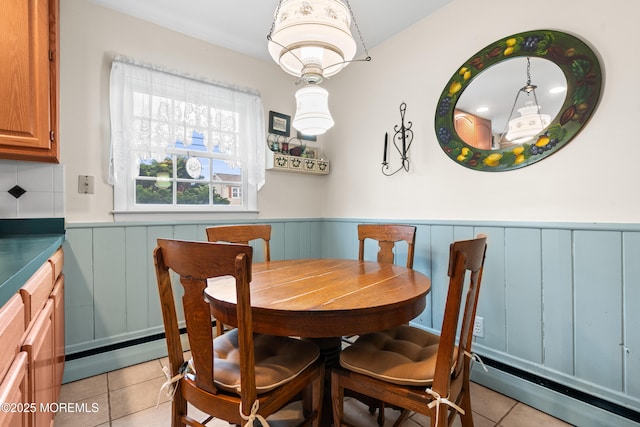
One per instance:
[(169, 215)]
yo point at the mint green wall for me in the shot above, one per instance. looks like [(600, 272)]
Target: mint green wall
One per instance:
[(557, 299)]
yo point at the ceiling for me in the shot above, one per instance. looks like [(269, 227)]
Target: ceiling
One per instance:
[(243, 25)]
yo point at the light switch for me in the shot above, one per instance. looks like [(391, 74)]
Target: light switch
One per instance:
[(85, 184)]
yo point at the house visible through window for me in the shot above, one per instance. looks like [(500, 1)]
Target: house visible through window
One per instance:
[(236, 192), (182, 144)]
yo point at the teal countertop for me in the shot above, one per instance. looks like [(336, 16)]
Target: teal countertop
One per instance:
[(24, 246)]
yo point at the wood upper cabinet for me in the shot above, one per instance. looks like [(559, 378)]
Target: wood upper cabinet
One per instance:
[(29, 80)]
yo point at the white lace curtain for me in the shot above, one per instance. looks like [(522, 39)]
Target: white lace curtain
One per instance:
[(152, 109)]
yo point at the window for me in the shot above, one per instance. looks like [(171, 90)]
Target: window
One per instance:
[(181, 144), (236, 192)]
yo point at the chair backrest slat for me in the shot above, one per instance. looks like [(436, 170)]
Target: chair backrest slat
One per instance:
[(387, 236), (242, 234)]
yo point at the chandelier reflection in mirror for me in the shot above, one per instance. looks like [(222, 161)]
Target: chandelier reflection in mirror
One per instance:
[(531, 121), (583, 87), (312, 40)]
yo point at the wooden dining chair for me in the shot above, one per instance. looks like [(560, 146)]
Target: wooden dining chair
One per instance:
[(387, 236), (242, 234), (239, 375), (413, 369)]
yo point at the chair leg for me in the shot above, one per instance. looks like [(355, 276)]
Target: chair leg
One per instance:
[(443, 416), (337, 400), (404, 415), (178, 409), (465, 404), (314, 393), (219, 328), (380, 414)]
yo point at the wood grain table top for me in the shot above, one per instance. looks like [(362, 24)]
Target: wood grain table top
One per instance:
[(318, 298)]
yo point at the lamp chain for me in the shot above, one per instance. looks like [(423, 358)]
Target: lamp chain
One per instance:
[(355, 24), (528, 88), (273, 23)]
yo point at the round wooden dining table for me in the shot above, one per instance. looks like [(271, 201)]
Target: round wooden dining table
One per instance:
[(325, 299)]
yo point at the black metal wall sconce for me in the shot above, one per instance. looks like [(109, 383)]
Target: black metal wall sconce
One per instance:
[(402, 139)]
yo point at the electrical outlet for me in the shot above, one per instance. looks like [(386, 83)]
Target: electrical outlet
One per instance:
[(85, 184), (478, 327)]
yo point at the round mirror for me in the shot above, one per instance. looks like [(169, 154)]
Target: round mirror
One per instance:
[(518, 100)]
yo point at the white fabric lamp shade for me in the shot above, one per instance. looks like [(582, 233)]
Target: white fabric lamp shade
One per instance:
[(312, 32), (312, 112)]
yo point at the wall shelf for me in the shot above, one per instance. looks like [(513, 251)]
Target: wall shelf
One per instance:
[(286, 163)]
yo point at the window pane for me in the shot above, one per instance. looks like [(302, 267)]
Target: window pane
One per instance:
[(218, 198), (152, 167), (226, 177), (154, 192), (190, 193), (159, 188), (196, 168), (189, 190)]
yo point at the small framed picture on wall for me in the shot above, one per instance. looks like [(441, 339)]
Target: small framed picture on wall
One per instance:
[(279, 124)]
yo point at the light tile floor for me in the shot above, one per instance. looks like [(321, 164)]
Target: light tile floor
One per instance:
[(128, 398)]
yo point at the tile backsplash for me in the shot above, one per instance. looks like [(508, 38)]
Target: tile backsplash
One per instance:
[(42, 185)]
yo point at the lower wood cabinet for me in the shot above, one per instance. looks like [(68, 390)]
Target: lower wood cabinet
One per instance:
[(12, 332), (13, 392), (32, 348), (57, 296), (39, 346)]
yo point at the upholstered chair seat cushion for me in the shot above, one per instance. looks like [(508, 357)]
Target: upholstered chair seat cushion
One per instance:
[(402, 355), (277, 360)]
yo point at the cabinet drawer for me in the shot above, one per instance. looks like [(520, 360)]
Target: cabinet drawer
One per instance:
[(13, 390), (57, 262), (12, 327), (36, 291), (39, 346), (57, 296)]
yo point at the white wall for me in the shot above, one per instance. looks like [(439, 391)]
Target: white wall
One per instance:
[(592, 179), (90, 36)]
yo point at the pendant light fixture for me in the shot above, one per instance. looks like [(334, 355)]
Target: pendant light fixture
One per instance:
[(531, 121), (311, 39), (312, 113)]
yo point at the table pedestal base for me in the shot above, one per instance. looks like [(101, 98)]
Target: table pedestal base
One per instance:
[(330, 352)]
